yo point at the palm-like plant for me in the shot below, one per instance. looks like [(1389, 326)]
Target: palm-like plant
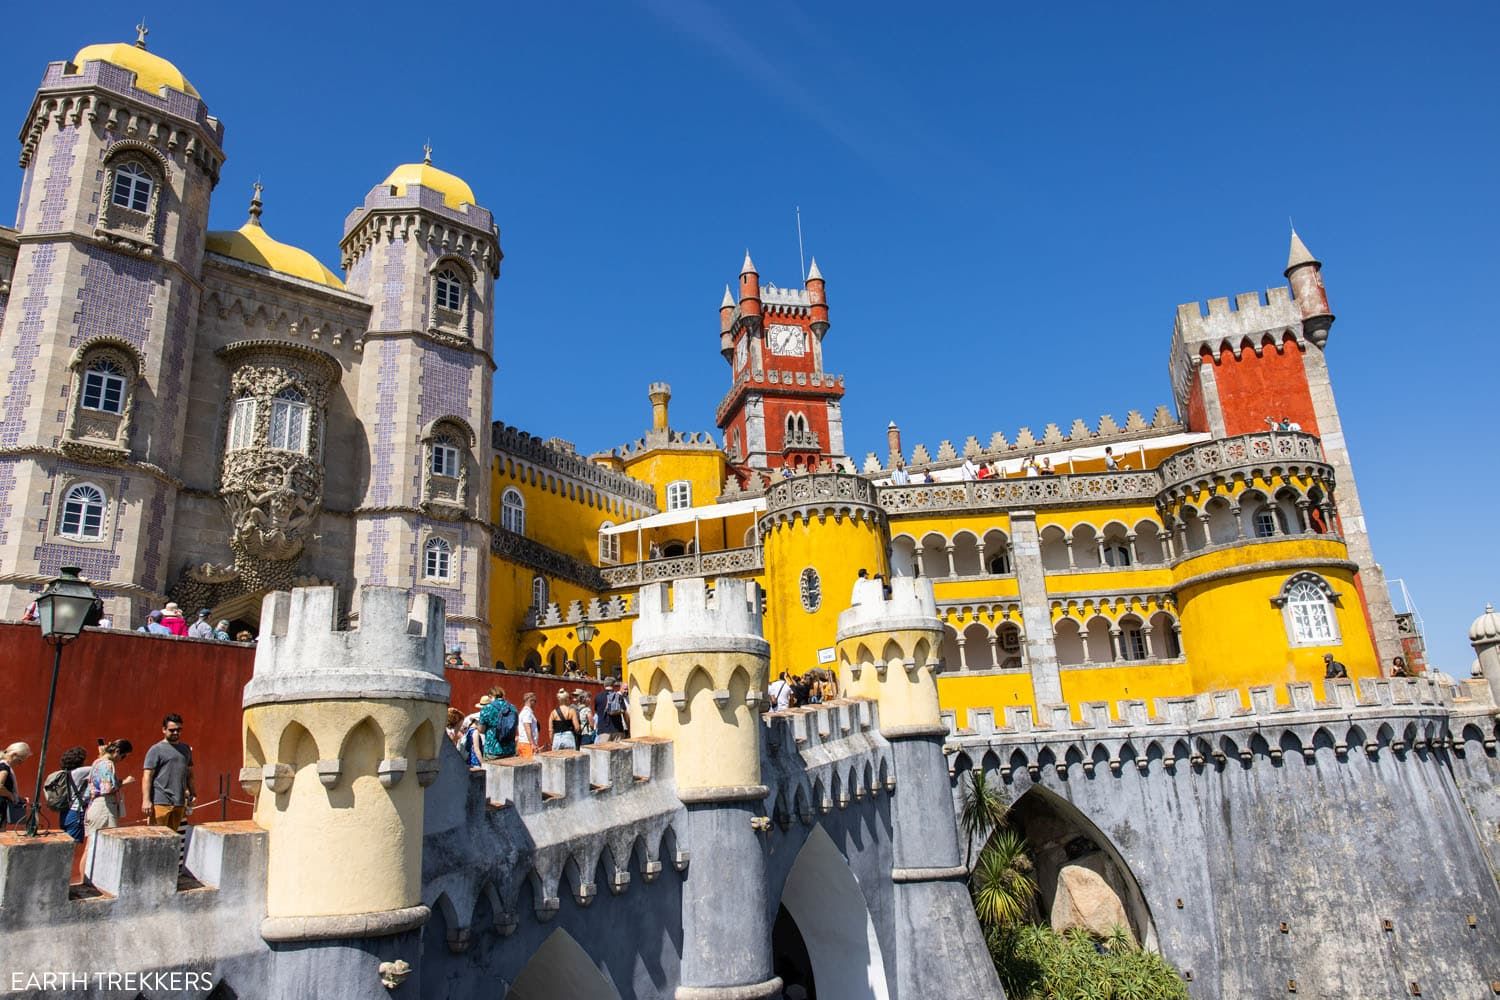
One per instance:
[(983, 811), (1003, 885)]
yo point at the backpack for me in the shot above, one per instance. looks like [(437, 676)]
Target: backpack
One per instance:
[(509, 721), (614, 703), (58, 791)]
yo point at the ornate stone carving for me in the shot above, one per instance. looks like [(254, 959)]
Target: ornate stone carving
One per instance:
[(271, 497)]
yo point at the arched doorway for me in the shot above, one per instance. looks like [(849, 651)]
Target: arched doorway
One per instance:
[(561, 968), (1082, 881), (824, 939)]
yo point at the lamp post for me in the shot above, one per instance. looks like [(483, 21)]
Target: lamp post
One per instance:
[(586, 633), (61, 610)]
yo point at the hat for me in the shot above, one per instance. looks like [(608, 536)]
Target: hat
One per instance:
[(455, 649), (205, 612), (173, 607), (484, 701), (155, 616)]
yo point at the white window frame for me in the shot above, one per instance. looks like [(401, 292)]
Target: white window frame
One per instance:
[(102, 378), (448, 290), (1264, 518), (445, 457), (513, 511), (242, 423), (679, 495), (290, 418), (437, 559), (82, 504), (539, 595), (1309, 613), (1133, 644), (135, 183), (609, 545), (1116, 555)]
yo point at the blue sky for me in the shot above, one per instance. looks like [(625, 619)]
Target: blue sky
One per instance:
[(1008, 202)]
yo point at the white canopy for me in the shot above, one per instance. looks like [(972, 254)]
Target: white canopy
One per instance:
[(688, 515)]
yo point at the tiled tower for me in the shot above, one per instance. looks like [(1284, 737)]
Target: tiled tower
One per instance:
[(120, 156), (425, 256), (782, 409)]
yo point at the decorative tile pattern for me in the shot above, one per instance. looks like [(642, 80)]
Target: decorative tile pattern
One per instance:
[(117, 297), (26, 350), (383, 450), (7, 488), (59, 179), (93, 561), (155, 530), (394, 278), (173, 396), (445, 376)]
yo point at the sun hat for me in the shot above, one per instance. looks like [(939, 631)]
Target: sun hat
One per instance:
[(485, 700)]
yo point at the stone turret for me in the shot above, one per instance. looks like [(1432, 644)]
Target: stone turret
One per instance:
[(1484, 636), (342, 730), (888, 651), (698, 666)]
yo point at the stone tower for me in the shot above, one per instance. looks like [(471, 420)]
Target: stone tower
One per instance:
[(119, 157), (425, 256), (342, 731), (782, 408), (698, 669), (888, 652)]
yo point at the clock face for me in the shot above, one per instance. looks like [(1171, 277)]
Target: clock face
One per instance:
[(740, 353), (786, 339)]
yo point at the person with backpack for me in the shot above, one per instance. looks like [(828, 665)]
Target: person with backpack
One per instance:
[(497, 724), (13, 805), (106, 804), (66, 791), (611, 713)]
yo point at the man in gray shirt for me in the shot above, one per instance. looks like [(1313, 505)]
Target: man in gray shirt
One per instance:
[(167, 784)]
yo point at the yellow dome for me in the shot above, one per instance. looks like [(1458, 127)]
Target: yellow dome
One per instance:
[(456, 192), (152, 72), (252, 244)]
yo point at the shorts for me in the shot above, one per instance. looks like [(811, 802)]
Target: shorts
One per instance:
[(72, 824), (564, 741), (168, 816)]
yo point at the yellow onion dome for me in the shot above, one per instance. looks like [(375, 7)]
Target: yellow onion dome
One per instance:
[(253, 245), (455, 190), (152, 72)]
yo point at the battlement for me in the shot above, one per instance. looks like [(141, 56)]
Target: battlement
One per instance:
[(688, 616), (774, 295), (824, 757), (666, 440), (519, 445), (397, 651), (911, 605), (1251, 315)]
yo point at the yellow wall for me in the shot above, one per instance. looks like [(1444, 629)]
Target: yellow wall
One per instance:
[(704, 468), (837, 550), (568, 524), (715, 747)]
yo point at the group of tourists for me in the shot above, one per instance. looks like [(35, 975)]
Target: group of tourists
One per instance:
[(797, 690), (169, 620), (89, 797), (497, 730)]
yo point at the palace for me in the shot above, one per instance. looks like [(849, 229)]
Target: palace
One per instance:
[(211, 416)]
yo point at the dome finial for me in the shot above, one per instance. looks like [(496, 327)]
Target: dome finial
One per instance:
[(141, 31), (255, 205), (427, 152)]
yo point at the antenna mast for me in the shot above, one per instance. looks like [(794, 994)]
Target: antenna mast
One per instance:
[(802, 261)]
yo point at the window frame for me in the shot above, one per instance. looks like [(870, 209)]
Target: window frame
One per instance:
[(139, 186), (1269, 522), (81, 515), (101, 375), (448, 283), (440, 551), (445, 459), (290, 402), (541, 594), (1310, 611), (679, 494), (513, 514), (242, 417), (609, 545)]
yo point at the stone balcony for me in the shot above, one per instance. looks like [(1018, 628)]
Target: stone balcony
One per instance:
[(725, 561), (1027, 492)]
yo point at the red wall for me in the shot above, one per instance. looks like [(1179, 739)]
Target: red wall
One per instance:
[(1271, 385), (119, 684)]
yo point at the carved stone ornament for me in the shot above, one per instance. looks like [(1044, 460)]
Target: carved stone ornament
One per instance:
[(272, 498), (393, 974)]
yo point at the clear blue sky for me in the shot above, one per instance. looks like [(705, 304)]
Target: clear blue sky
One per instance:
[(1008, 202)]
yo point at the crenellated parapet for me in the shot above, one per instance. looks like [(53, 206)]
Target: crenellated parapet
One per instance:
[(824, 758), (888, 650), (821, 495), (1216, 729), (1254, 322)]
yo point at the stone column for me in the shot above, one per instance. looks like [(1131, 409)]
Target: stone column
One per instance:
[(940, 950), (342, 731), (1036, 617), (715, 729), (952, 566), (1237, 512)]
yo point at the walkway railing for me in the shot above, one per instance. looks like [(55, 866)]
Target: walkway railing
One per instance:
[(1033, 491), (672, 567)]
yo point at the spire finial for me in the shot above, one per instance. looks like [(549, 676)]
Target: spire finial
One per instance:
[(427, 152), (255, 205), (141, 31)]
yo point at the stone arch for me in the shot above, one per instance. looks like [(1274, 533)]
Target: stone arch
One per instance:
[(1068, 637), (1054, 548), (1149, 547), (1085, 546), (979, 653), (1221, 521), (1071, 853), (824, 922), (903, 556), (966, 555), (561, 968), (934, 556), (296, 746), (422, 745)]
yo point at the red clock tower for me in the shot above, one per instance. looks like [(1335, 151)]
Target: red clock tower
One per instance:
[(782, 409)]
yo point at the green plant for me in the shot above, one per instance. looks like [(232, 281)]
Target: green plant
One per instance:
[(1002, 884), (983, 811)]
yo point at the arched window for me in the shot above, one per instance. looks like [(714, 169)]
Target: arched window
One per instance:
[(83, 513), (513, 513), (1307, 604), (439, 560), (449, 289), (1116, 554), (242, 423), (679, 495), (445, 457), (1132, 639), (1000, 563), (609, 545), (289, 421), (104, 386), (132, 187), (539, 594), (1265, 523)]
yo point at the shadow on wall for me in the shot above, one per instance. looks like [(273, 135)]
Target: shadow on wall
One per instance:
[(826, 907), (561, 968)]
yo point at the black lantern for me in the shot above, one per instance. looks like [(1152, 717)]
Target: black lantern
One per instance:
[(585, 633), (62, 609)]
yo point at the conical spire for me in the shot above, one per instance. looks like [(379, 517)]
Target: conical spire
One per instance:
[(1299, 253), (749, 267), (813, 274), (255, 205), (728, 302)]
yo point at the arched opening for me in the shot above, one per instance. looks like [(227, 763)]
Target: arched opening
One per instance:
[(1054, 548), (1221, 521), (1194, 534), (950, 652), (1085, 547), (903, 556), (824, 940), (997, 553), (966, 555), (978, 650), (561, 968), (935, 557), (1069, 642), (1100, 648), (1148, 544), (1082, 880)]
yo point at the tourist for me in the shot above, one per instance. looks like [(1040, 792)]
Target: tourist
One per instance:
[(1028, 466), (802, 689), (1333, 668), (75, 775), (12, 803), (1110, 463), (564, 722), (244, 635), (454, 727), (780, 693), (1399, 668), (221, 630), (471, 741), (828, 688), (528, 730), (32, 613), (899, 475), (984, 471), (171, 617), (857, 595), (586, 730), (106, 808), (968, 472), (455, 657), (154, 625), (167, 779), (1046, 468), (926, 476), (498, 722), (202, 628), (611, 713)]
